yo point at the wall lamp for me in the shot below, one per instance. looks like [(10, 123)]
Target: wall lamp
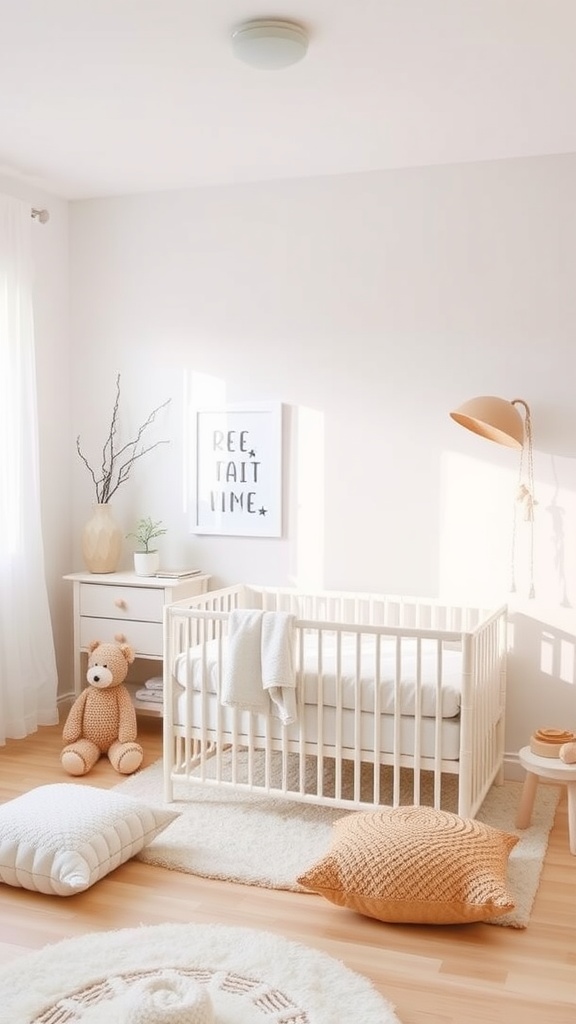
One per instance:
[(500, 420), (496, 418)]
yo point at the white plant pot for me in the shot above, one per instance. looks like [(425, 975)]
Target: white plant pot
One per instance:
[(146, 563)]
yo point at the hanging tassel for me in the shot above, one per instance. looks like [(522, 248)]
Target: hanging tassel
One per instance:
[(525, 498)]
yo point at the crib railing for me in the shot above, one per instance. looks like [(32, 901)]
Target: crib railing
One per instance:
[(334, 753)]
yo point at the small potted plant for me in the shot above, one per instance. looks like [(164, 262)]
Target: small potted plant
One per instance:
[(146, 558)]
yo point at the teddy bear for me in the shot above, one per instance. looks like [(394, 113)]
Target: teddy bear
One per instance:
[(102, 719)]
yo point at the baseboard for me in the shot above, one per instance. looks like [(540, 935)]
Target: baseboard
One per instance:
[(513, 770), (65, 701)]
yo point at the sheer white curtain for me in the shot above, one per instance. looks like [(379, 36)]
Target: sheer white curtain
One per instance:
[(28, 680)]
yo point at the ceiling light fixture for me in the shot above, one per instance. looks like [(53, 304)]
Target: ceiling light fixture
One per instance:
[(269, 43)]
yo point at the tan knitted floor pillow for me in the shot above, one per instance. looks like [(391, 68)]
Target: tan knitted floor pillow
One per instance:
[(415, 864)]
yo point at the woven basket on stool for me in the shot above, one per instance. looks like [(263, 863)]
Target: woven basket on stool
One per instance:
[(547, 742)]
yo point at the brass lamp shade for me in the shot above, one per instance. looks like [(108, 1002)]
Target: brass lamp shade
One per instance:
[(494, 418)]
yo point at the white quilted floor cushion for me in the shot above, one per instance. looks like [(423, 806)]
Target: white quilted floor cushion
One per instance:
[(62, 838)]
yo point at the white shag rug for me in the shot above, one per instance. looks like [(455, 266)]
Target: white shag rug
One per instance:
[(186, 974), (241, 836)]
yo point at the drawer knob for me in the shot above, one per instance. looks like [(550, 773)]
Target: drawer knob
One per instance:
[(120, 602)]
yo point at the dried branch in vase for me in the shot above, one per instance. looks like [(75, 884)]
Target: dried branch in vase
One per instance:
[(117, 463)]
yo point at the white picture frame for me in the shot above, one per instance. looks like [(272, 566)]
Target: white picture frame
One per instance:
[(237, 476)]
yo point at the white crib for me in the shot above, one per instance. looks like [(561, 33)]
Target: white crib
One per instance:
[(409, 684)]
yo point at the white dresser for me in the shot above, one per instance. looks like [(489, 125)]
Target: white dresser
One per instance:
[(106, 604)]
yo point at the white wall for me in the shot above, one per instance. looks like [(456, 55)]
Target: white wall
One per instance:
[(370, 305)]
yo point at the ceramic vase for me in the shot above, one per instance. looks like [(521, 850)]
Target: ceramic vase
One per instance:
[(102, 540)]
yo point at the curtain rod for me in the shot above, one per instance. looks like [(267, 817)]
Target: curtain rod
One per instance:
[(40, 215)]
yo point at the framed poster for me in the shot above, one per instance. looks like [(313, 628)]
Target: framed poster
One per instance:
[(238, 470)]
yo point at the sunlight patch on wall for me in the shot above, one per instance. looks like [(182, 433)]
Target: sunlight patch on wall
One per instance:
[(476, 529), (558, 657), (547, 653), (476, 545), (308, 470), (566, 669)]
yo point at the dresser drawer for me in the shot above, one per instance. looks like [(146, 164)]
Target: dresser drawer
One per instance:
[(144, 637), (105, 601), (124, 604)]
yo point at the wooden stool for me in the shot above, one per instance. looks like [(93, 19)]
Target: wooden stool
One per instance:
[(546, 768)]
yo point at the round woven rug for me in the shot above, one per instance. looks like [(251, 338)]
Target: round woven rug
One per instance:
[(186, 974)]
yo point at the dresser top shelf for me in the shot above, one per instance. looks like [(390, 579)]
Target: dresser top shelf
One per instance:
[(130, 579)]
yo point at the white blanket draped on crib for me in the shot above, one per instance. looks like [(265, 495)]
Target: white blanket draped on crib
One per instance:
[(259, 673)]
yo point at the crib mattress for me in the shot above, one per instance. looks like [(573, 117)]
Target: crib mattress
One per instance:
[(226, 725), (350, 668)]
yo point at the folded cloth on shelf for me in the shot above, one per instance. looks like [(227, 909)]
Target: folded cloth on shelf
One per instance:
[(168, 999), (156, 683), (242, 675), (278, 673), (151, 696)]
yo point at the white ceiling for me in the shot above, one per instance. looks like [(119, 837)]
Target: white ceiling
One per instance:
[(108, 97)]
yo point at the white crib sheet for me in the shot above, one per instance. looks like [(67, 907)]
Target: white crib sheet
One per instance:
[(320, 672)]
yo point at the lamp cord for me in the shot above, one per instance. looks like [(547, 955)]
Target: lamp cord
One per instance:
[(525, 500)]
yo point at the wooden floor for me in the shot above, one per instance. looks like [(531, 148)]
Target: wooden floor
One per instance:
[(432, 975)]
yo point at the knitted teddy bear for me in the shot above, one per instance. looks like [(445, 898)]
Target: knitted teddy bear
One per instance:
[(102, 719)]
